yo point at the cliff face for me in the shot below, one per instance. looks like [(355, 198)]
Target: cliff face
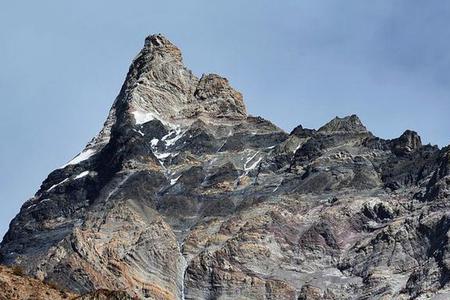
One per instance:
[(182, 195)]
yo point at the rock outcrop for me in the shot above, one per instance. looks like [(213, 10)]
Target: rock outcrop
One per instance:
[(15, 286), (182, 195)]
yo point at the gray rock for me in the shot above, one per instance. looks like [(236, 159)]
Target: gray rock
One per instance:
[(182, 195)]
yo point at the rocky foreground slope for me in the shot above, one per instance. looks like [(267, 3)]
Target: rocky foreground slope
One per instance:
[(13, 285), (183, 195)]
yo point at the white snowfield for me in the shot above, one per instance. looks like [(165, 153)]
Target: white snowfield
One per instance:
[(81, 175), (142, 117), (86, 154), (178, 134), (55, 185), (174, 180)]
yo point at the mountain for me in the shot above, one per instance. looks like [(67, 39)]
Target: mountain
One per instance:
[(183, 195)]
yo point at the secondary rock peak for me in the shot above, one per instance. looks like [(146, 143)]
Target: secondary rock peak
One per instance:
[(216, 96), (346, 124), (408, 142)]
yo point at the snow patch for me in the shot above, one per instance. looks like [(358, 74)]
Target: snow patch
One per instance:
[(174, 180), (141, 117), (86, 154), (254, 165), (178, 134), (42, 201), (154, 142), (162, 155), (249, 160), (55, 185), (248, 168), (81, 175), (139, 131)]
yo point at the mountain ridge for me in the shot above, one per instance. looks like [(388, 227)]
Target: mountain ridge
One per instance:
[(183, 195)]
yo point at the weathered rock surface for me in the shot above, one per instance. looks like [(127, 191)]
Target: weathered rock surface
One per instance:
[(15, 286), (182, 195)]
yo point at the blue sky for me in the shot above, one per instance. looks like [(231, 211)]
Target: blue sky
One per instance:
[(296, 62)]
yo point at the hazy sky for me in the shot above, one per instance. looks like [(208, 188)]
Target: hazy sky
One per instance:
[(296, 62)]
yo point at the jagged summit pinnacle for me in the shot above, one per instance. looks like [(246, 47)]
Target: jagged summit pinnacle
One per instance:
[(409, 141), (159, 86), (157, 40), (348, 124), (158, 43)]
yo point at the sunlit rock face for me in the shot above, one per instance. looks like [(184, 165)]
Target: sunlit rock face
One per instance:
[(183, 195)]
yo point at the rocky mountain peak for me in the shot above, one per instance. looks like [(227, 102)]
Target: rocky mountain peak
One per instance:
[(218, 98), (159, 86), (348, 124), (408, 142), (302, 132), (159, 44), (184, 196)]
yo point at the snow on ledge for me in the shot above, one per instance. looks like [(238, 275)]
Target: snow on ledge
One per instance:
[(141, 117), (162, 155), (154, 142), (81, 175), (174, 180), (86, 154), (55, 185), (176, 133)]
